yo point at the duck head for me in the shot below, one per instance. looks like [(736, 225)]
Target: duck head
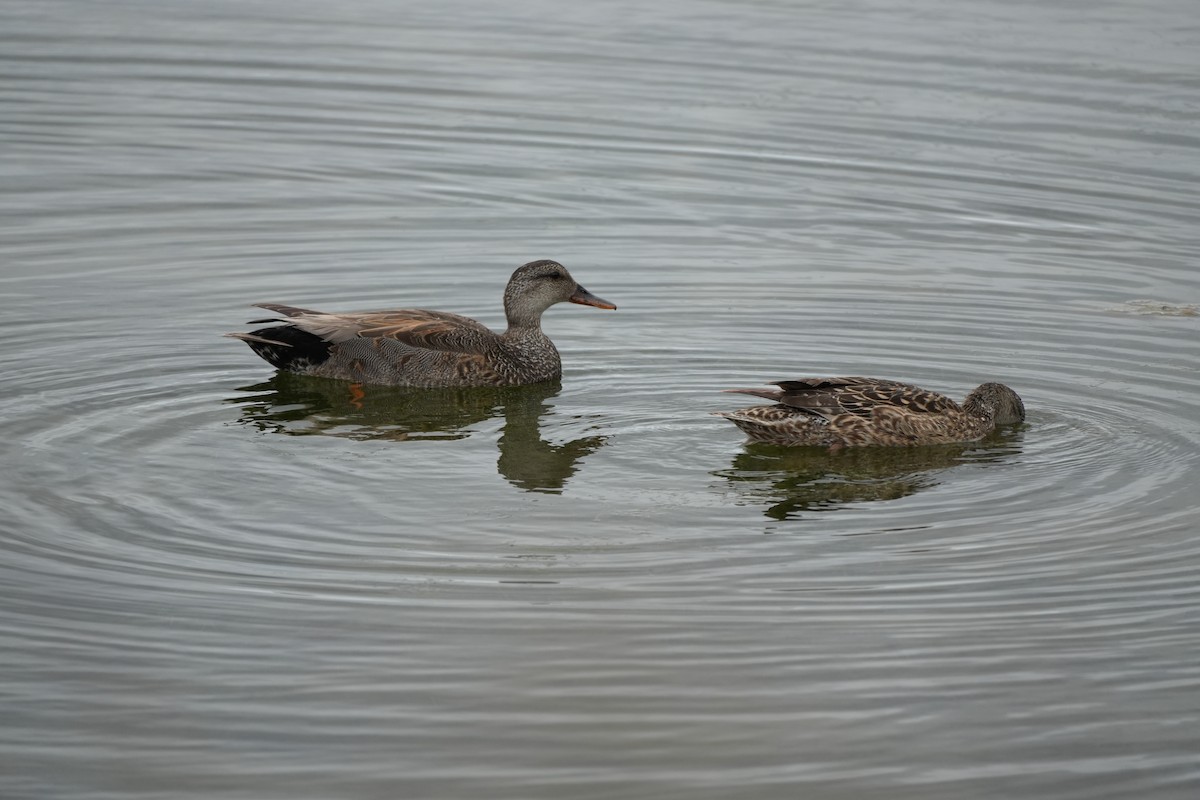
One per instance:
[(538, 285), (998, 401)]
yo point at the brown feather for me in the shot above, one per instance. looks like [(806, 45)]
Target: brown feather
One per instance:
[(287, 311), (847, 412), (418, 347)]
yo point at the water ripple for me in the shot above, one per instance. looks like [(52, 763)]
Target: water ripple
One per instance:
[(265, 585)]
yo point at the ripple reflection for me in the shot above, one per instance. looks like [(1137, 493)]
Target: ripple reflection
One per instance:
[(793, 480), (297, 405)]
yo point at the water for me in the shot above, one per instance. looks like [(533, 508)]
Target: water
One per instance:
[(218, 582)]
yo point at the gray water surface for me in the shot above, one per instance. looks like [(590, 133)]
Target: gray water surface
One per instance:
[(216, 581)]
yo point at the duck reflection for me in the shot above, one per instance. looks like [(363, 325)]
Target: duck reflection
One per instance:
[(792, 480), (297, 405)]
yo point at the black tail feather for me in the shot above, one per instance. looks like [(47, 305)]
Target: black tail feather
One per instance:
[(297, 351)]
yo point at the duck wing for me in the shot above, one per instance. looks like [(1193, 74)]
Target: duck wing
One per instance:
[(415, 327), (829, 397)]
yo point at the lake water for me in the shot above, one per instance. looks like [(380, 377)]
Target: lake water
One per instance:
[(216, 582)]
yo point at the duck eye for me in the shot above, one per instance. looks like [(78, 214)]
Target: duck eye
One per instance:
[(550, 275)]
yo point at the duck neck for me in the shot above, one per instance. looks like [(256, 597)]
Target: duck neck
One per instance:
[(521, 312), (524, 328), (524, 337), (531, 352)]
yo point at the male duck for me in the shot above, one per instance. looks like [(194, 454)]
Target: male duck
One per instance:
[(852, 412), (415, 347)]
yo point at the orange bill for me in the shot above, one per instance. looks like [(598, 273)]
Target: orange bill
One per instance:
[(586, 298)]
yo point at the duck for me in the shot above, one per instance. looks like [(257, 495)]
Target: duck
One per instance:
[(856, 412), (419, 348)]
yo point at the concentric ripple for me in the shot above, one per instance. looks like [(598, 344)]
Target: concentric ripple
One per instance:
[(219, 581)]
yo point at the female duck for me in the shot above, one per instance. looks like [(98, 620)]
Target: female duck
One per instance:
[(415, 347), (852, 412)]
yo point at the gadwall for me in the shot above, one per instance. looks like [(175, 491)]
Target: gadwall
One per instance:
[(852, 412), (419, 348)]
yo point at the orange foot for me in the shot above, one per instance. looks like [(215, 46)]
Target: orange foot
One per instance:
[(356, 395)]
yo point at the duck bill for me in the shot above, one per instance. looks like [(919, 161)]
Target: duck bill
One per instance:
[(586, 298)]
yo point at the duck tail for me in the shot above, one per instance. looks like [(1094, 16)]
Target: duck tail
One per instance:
[(286, 347), (250, 337), (769, 394)]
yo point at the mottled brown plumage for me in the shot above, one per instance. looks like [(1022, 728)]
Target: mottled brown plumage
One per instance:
[(421, 348), (853, 412)]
